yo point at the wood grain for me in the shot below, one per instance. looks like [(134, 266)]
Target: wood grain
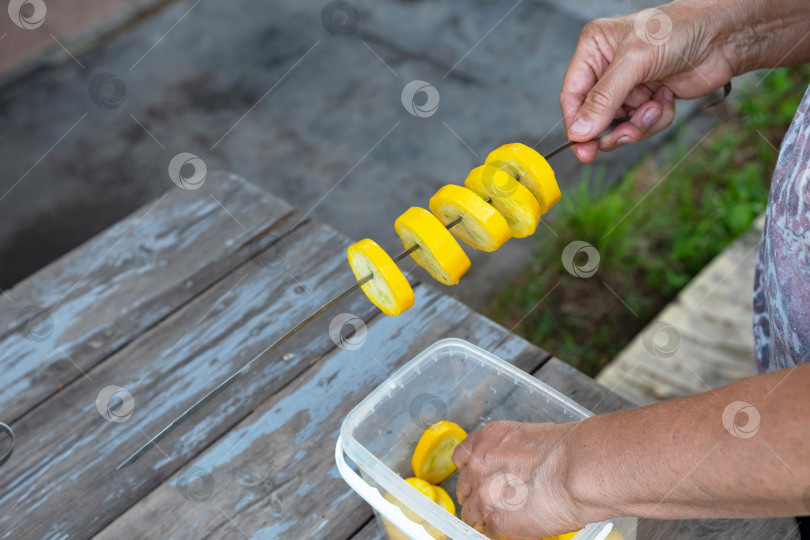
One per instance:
[(167, 303), (581, 388), (714, 338), (274, 474), (67, 451), (105, 293)]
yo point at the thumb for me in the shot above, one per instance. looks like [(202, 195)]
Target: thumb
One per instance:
[(605, 99)]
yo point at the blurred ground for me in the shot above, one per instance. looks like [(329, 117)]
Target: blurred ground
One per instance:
[(274, 93)]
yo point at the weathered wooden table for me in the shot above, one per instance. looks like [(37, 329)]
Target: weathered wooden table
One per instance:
[(103, 347)]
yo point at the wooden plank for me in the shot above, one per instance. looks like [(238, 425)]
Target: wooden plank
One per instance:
[(711, 321), (274, 475), (719, 529), (581, 388), (105, 293), (370, 531), (67, 451)]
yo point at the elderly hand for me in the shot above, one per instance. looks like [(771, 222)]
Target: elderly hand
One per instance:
[(636, 65), (679, 459), (512, 480)]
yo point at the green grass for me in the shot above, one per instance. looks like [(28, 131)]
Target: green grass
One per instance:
[(654, 231)]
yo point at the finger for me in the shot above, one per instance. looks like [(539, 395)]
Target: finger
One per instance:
[(586, 152), (605, 99), (666, 99), (650, 118), (472, 516), (585, 67), (639, 95), (461, 455), (627, 132), (463, 486)]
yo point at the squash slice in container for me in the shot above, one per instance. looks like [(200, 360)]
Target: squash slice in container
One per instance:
[(444, 500), (428, 491), (433, 458)]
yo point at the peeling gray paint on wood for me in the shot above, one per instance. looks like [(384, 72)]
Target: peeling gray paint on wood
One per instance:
[(274, 474), (165, 371), (106, 292), (66, 448), (266, 444)]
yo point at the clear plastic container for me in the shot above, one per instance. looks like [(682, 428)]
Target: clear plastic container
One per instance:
[(450, 380)]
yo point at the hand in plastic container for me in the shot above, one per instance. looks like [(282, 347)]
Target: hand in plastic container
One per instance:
[(511, 481)]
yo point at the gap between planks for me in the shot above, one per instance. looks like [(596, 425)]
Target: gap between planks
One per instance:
[(277, 395), (136, 335)]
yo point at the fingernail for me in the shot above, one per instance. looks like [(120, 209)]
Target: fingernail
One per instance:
[(650, 117), (624, 139), (581, 127), (668, 95)]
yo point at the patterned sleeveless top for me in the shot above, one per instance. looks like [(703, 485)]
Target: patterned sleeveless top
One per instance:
[(782, 278)]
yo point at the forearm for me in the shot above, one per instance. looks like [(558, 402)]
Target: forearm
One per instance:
[(677, 460), (756, 34)]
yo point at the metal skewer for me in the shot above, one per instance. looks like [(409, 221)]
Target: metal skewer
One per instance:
[(244, 369), (221, 387), (343, 294)]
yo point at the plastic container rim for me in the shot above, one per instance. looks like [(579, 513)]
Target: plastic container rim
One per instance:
[(392, 482)]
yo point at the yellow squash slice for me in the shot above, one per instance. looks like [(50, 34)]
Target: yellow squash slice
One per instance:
[(530, 169), (433, 458), (566, 536), (444, 500), (481, 225), (612, 535), (438, 252), (388, 289), (509, 197), (427, 490)]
